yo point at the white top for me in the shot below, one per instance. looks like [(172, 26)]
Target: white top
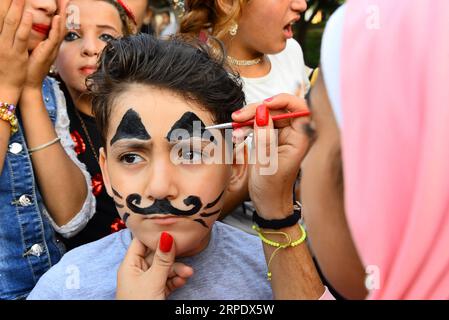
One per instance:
[(288, 74), (331, 47)]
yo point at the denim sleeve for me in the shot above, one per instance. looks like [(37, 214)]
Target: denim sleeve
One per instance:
[(62, 125)]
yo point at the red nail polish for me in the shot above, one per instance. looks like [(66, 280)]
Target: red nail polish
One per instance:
[(262, 115), (165, 242), (237, 112), (269, 99)]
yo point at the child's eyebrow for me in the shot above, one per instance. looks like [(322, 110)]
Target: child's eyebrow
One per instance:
[(191, 124), (131, 144), (104, 26), (130, 127)]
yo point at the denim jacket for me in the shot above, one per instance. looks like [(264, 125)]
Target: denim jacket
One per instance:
[(28, 245)]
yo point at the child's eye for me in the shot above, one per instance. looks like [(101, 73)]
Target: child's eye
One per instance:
[(106, 37), (71, 36), (131, 158), (189, 156)]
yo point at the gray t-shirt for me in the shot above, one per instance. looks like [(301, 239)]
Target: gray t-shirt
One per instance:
[(232, 267)]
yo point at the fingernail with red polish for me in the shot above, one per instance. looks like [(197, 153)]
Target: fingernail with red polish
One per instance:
[(237, 112), (262, 115), (269, 99), (165, 242)]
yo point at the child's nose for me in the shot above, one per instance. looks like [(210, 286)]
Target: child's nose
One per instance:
[(47, 6), (298, 5), (90, 48), (161, 181)]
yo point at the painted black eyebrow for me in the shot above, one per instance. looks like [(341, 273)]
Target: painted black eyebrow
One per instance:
[(186, 123), (130, 127)]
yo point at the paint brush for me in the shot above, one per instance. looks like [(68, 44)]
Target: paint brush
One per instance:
[(250, 123)]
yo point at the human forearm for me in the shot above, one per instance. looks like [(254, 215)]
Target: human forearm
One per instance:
[(61, 182), (293, 271)]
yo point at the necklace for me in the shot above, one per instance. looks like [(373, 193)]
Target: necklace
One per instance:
[(83, 125), (247, 63)]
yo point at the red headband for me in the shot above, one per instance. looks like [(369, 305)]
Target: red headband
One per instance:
[(128, 11)]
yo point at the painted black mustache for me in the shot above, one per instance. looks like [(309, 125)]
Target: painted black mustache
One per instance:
[(163, 206)]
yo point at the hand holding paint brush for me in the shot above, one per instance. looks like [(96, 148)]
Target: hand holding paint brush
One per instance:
[(250, 123), (285, 147)]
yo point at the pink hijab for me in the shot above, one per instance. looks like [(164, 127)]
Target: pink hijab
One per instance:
[(395, 137)]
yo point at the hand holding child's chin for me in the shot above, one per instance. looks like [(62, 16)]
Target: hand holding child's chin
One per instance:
[(153, 276)]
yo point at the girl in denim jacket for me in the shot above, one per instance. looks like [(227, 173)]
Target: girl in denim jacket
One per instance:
[(42, 185)]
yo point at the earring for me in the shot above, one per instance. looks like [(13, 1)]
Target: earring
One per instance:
[(53, 71), (233, 29)]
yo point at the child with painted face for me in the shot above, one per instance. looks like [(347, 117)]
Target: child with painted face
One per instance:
[(258, 38), (152, 119), (99, 21), (42, 185)]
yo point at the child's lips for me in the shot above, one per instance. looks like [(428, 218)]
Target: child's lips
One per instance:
[(88, 70), (164, 220), (41, 28)]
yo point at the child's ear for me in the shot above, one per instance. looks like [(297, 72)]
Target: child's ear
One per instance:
[(105, 173), (239, 176)]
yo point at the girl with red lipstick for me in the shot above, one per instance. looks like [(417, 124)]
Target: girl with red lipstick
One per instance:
[(100, 21), (258, 38), (42, 185)]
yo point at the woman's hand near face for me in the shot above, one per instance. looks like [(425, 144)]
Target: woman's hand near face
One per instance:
[(271, 186), (15, 28), (45, 53), (151, 276)]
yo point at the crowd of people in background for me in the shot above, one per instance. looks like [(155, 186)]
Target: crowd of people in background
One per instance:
[(105, 187)]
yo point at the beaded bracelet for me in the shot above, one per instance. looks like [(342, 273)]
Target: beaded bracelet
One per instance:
[(279, 245), (7, 114)]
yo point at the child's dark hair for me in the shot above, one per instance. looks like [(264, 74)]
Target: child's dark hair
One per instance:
[(179, 66)]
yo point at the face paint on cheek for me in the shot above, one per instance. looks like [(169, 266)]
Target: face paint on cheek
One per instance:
[(131, 127), (118, 205), (116, 194), (125, 217), (207, 215), (201, 222), (187, 123), (211, 205)]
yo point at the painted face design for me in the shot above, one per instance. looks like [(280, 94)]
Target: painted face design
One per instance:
[(189, 125), (164, 207), (131, 127)]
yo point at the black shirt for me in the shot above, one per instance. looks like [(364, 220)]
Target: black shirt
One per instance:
[(86, 136)]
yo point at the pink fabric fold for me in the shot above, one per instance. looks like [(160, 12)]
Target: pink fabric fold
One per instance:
[(395, 139)]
